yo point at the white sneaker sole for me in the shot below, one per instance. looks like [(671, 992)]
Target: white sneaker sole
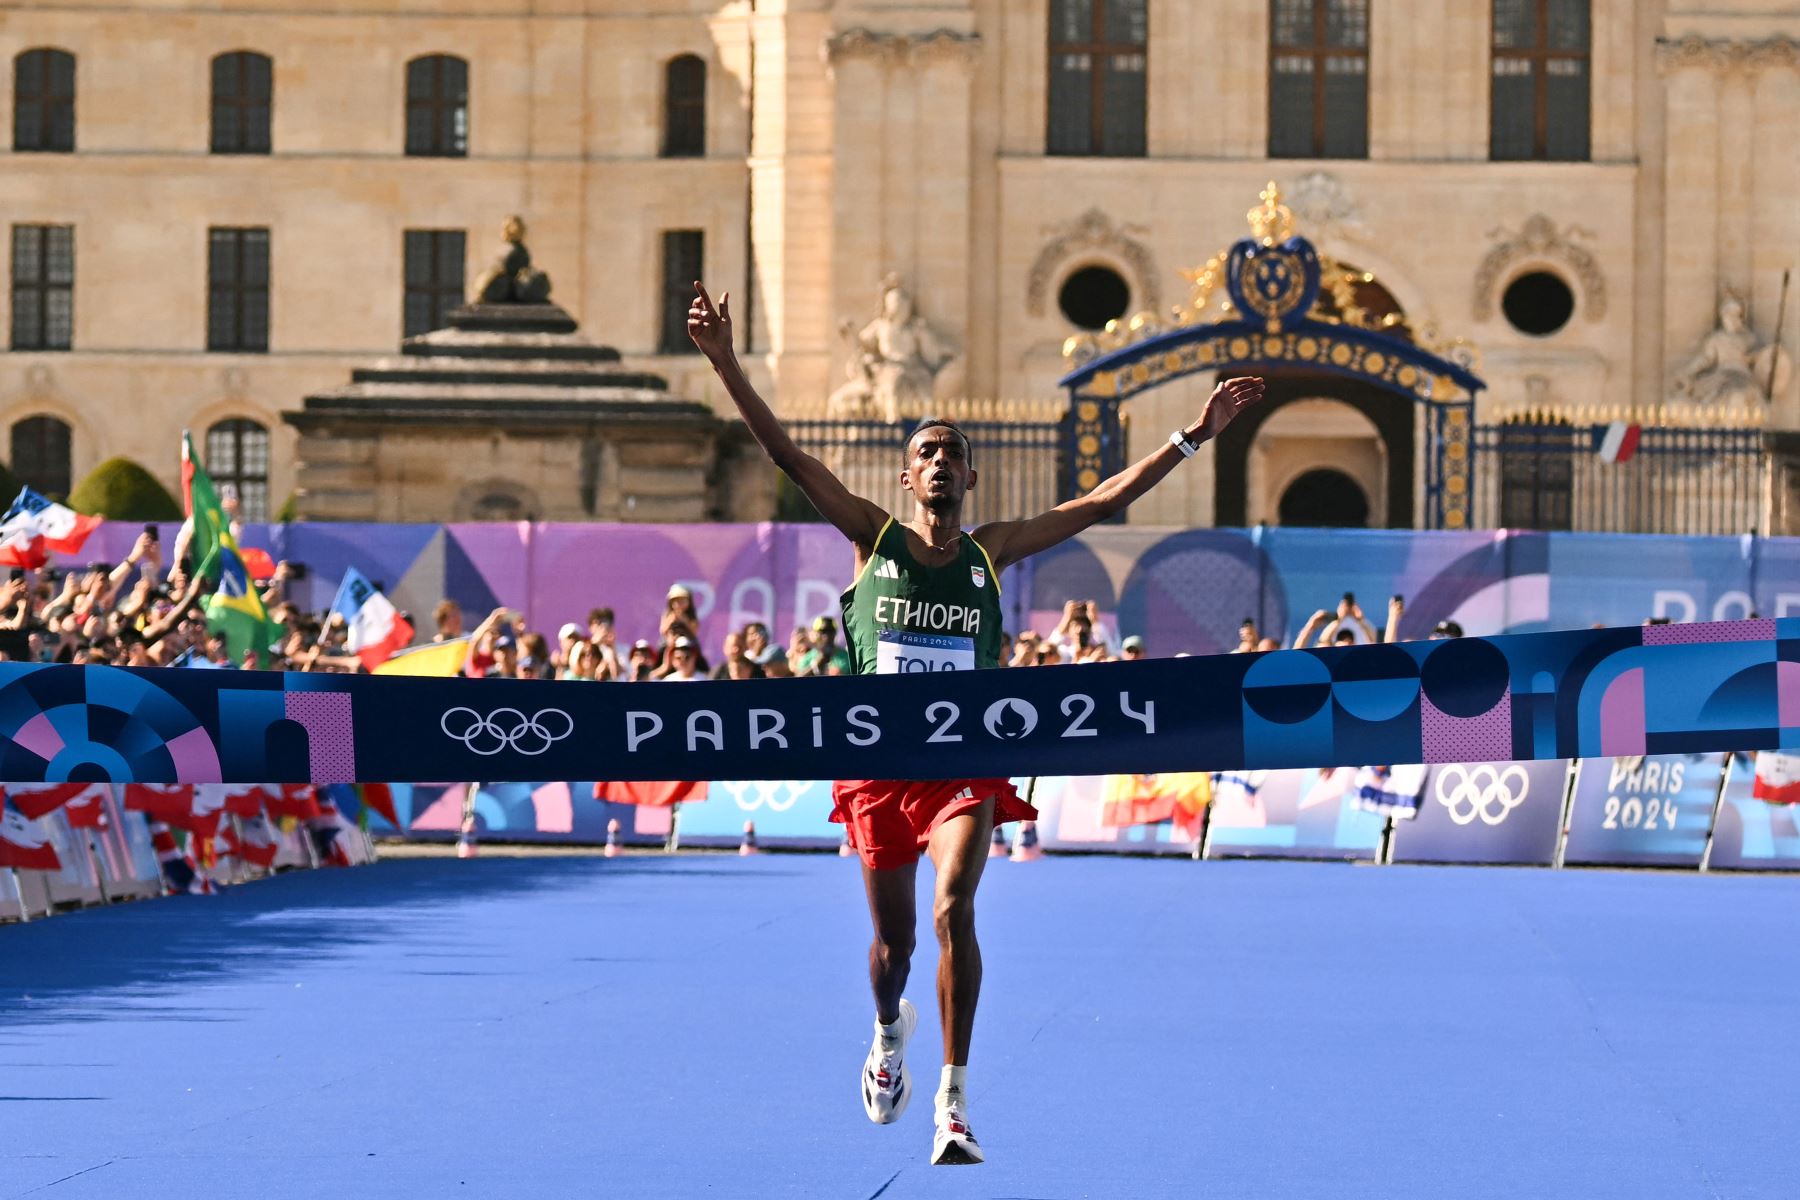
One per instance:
[(950, 1150), (878, 1112)]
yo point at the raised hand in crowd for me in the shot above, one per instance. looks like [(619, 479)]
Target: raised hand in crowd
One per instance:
[(1313, 624), (1396, 610)]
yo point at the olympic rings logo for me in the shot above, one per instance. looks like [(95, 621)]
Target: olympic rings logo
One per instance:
[(507, 729), (751, 795), (1482, 791)]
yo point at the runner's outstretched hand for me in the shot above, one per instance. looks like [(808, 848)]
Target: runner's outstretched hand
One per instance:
[(710, 327), (1230, 398)]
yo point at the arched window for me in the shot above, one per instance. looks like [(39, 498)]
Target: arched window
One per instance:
[(1098, 63), (237, 453), (243, 84), (684, 108), (40, 455), (437, 107), (1319, 79), (1537, 473), (1540, 101), (44, 101)]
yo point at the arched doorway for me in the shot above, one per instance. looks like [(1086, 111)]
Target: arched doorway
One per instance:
[(1388, 416), (1324, 498)]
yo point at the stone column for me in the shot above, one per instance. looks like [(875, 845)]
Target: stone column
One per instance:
[(1775, 209), (942, 67), (1736, 118), (861, 65), (1691, 231)]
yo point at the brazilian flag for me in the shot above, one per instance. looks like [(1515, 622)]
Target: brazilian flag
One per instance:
[(235, 611)]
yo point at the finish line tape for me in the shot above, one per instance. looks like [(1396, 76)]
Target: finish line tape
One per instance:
[(1579, 694)]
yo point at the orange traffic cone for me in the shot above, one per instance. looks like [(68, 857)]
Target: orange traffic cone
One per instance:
[(997, 847), (1025, 846), (748, 845), (465, 841), (612, 839)]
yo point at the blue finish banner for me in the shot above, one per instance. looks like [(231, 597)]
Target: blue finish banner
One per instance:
[(1651, 811), (1659, 689), (1496, 812)]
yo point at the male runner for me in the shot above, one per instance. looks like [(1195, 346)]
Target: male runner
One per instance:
[(908, 574)]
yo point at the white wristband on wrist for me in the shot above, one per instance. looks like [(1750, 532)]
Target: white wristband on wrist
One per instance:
[(1179, 440)]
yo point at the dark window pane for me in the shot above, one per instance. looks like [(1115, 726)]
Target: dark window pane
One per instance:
[(1347, 23), (1097, 88), (1515, 24), (44, 101), (1071, 104), (1346, 108), (1291, 107), (1071, 21), (1567, 124), (1569, 25), (40, 455), (1291, 23), (237, 312), (237, 454), (27, 319), (1513, 131), (433, 278), (684, 108), (1127, 21), (43, 287), (682, 264), (242, 85), (1123, 100), (437, 106)]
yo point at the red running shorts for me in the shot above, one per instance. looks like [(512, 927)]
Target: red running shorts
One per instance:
[(889, 821)]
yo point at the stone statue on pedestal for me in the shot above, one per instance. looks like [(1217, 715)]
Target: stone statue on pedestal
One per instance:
[(511, 279), (894, 363), (1731, 369)]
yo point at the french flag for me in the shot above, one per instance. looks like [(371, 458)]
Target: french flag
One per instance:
[(377, 631), (24, 847), (178, 804), (35, 525), (1617, 442)]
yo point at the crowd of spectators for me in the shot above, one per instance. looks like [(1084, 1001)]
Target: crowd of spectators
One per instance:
[(148, 611)]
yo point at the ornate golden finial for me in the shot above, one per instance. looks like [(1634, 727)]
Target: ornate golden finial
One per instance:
[(1272, 221), (513, 232)]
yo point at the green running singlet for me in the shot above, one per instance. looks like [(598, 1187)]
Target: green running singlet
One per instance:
[(901, 616)]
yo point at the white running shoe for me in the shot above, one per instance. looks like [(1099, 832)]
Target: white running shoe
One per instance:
[(954, 1144), (886, 1083)]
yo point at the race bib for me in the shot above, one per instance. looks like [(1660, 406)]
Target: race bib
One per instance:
[(901, 653)]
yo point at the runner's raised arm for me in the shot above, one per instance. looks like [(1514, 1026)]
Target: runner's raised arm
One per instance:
[(857, 519), (1010, 541)]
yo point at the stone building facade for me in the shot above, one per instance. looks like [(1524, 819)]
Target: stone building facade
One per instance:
[(1022, 165)]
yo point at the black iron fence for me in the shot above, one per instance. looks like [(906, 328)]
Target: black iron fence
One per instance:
[(1018, 449), (1558, 475)]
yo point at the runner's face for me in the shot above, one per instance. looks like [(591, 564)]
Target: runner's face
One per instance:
[(937, 469)]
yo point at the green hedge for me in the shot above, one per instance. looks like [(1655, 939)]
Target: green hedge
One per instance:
[(120, 490)]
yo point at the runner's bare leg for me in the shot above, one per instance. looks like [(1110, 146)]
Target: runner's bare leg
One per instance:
[(959, 851), (894, 910)]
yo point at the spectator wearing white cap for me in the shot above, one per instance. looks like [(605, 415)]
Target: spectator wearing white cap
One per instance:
[(1132, 649), (573, 654), (684, 662)]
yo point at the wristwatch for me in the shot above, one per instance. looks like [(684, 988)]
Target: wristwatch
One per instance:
[(1179, 440)]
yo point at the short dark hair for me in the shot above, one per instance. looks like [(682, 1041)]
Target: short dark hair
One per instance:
[(600, 616), (940, 423)]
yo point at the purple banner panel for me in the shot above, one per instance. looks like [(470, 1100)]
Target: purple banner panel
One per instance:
[(1651, 811), (1493, 812), (1753, 834), (1306, 813)]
